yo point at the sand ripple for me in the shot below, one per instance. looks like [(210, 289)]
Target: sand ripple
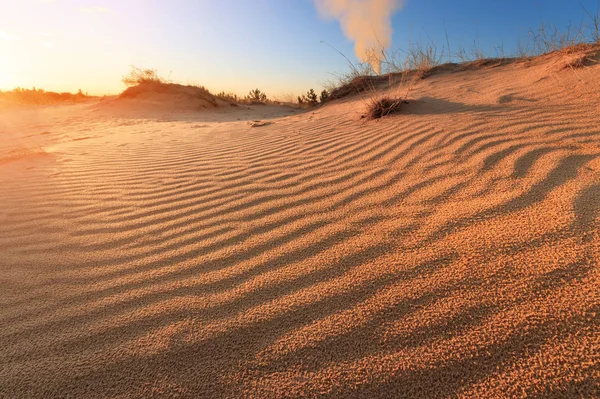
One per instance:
[(450, 251)]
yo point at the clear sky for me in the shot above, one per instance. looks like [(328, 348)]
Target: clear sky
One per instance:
[(232, 45)]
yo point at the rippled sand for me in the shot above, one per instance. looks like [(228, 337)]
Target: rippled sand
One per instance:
[(451, 250)]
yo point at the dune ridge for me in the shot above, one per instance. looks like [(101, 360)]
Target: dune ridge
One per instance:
[(452, 250)]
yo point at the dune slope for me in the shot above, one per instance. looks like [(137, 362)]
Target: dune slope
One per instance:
[(451, 250)]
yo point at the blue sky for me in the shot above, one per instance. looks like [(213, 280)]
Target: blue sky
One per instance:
[(232, 45)]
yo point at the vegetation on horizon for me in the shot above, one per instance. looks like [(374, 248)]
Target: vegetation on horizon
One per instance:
[(230, 97), (310, 99), (256, 96), (35, 96)]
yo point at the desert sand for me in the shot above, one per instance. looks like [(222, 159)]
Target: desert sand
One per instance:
[(449, 250)]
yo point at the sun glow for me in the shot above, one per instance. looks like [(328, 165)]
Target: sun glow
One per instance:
[(6, 81)]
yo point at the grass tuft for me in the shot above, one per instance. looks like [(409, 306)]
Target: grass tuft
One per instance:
[(138, 76), (378, 108)]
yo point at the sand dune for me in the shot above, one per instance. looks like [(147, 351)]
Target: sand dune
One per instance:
[(147, 99), (451, 250)]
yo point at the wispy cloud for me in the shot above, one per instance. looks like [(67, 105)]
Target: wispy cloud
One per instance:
[(96, 10)]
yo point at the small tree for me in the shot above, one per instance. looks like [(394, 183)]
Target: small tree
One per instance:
[(324, 96), (311, 96), (256, 95)]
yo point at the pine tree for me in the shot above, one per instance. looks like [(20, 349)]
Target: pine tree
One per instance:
[(311, 96), (324, 96), (256, 95)]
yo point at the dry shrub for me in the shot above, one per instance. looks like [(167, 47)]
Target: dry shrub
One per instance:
[(584, 60), (577, 63), (138, 76), (230, 97), (378, 108)]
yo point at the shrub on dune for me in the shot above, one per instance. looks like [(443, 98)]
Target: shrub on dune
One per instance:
[(138, 76), (256, 96), (308, 99), (324, 96), (378, 108)]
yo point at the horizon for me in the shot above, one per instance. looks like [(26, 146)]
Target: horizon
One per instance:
[(235, 46)]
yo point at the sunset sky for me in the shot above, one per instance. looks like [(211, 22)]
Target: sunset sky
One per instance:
[(232, 45)]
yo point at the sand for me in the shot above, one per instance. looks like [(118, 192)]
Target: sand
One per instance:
[(451, 250)]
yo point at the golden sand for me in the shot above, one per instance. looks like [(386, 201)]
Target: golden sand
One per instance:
[(451, 250)]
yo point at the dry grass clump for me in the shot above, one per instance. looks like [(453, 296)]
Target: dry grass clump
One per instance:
[(419, 57), (378, 108), (138, 76), (587, 55), (229, 97), (577, 63)]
